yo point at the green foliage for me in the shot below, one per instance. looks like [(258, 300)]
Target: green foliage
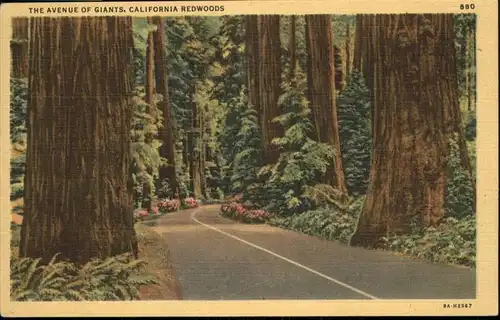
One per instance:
[(146, 160), (453, 242), (330, 223), (466, 63), (16, 191), (469, 119), (18, 109), (17, 168), (115, 278), (460, 193), (229, 77), (353, 109), (302, 160), (247, 145)]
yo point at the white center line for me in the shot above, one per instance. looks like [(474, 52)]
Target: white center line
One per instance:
[(285, 259)]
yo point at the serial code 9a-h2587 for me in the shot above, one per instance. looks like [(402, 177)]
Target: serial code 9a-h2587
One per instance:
[(457, 305)]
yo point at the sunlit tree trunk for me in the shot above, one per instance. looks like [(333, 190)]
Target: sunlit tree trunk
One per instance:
[(78, 187), (167, 150), (321, 92)]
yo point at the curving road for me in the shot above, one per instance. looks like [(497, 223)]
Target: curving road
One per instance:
[(218, 259)]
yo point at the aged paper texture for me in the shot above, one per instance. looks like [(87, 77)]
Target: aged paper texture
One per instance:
[(258, 158)]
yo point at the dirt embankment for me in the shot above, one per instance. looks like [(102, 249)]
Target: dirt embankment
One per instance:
[(154, 250)]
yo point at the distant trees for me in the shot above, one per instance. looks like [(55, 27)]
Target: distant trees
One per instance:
[(78, 197)]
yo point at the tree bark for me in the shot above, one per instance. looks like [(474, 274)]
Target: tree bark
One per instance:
[(150, 87), (167, 150), (321, 88), (416, 110), (270, 83), (78, 187), (19, 47)]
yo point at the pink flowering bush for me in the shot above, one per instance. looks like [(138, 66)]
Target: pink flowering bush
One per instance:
[(190, 203), (168, 205), (238, 212), (140, 214)]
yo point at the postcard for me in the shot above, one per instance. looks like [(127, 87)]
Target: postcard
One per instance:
[(249, 158)]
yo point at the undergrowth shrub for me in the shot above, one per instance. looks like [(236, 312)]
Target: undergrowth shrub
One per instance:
[(460, 193), (18, 109), (169, 205), (237, 211), (115, 278), (330, 223), (452, 242), (16, 191), (189, 203)]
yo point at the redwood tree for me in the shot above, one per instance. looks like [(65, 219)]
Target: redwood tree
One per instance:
[(167, 150), (269, 83), (321, 92), (78, 188), (415, 112)]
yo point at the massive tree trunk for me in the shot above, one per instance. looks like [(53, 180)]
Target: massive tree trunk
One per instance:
[(78, 188), (150, 87), (167, 150), (321, 88), (252, 58), (19, 47), (270, 83), (416, 110)]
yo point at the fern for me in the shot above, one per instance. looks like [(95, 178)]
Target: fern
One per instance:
[(115, 278)]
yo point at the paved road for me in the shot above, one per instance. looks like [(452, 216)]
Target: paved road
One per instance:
[(216, 258)]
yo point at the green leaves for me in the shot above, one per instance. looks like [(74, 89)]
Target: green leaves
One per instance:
[(115, 278), (452, 242), (460, 193), (355, 133), (141, 29)]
